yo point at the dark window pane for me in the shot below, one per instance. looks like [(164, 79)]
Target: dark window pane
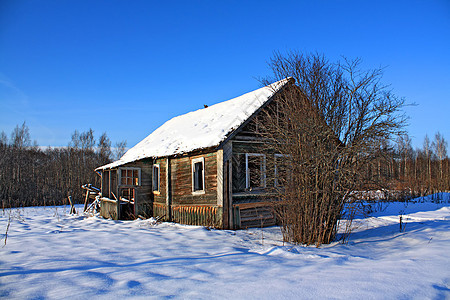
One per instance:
[(127, 194), (155, 178), (198, 176)]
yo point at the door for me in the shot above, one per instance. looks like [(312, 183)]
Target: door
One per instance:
[(127, 202)]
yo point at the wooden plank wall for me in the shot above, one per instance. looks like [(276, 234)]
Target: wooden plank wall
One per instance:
[(181, 178), (109, 209), (144, 195), (220, 177), (109, 183), (249, 208), (204, 215), (160, 211), (187, 207), (104, 187), (227, 182), (160, 197), (255, 215)]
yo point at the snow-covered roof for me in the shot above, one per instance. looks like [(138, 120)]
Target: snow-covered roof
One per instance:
[(203, 128)]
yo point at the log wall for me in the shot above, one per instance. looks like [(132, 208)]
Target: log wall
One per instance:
[(204, 215), (111, 189), (181, 177), (144, 195), (249, 208), (160, 197), (179, 203)]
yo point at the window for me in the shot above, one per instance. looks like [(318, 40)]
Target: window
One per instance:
[(255, 169), (156, 178), (127, 194), (198, 175), (281, 170), (130, 176)]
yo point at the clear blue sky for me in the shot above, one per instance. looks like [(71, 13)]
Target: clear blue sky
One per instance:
[(125, 67)]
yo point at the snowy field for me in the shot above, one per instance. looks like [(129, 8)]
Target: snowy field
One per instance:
[(52, 255)]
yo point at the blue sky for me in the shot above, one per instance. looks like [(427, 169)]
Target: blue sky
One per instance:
[(126, 67)]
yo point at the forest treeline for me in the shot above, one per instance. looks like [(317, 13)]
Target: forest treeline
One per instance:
[(409, 172), (31, 175)]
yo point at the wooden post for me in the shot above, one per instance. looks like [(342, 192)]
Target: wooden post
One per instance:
[(72, 207), (86, 200), (168, 190), (230, 195), (237, 217), (220, 188), (226, 211), (109, 184)]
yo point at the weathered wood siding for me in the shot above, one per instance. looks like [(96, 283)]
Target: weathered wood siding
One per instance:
[(109, 183), (160, 211), (109, 209), (248, 208), (144, 195), (227, 218), (111, 188), (204, 215), (179, 203), (104, 188), (160, 197), (181, 169), (254, 215), (225, 203)]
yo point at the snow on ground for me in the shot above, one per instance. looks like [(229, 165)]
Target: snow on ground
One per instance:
[(52, 255)]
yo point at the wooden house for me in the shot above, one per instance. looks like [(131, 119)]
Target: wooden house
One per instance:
[(202, 168)]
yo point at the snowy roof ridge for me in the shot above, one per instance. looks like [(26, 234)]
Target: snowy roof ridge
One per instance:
[(203, 128)]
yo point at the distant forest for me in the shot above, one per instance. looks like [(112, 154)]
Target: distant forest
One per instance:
[(31, 175)]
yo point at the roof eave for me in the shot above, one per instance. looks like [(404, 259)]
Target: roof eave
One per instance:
[(234, 132)]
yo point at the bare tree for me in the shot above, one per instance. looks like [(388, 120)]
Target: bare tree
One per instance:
[(87, 140), (31, 176), (405, 150), (104, 148), (119, 149), (75, 141), (3, 138), (440, 149), (327, 127), (20, 137), (428, 154)]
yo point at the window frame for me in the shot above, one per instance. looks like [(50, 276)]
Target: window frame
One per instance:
[(156, 190), (193, 162), (262, 169), (130, 190), (132, 169)]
